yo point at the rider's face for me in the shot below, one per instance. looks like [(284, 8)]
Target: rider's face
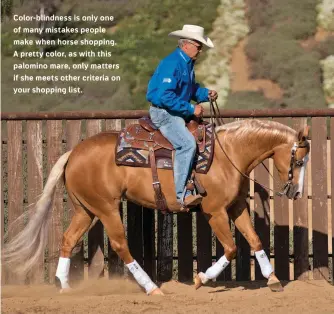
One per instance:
[(193, 49)]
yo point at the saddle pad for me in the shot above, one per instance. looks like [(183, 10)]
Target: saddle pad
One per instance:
[(129, 156)]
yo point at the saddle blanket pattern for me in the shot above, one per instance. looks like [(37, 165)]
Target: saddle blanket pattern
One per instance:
[(129, 156)]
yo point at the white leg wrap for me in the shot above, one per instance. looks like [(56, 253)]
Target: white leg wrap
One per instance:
[(63, 270), (141, 277), (264, 263), (214, 271)]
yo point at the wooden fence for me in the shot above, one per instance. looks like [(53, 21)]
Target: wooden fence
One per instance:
[(297, 235)]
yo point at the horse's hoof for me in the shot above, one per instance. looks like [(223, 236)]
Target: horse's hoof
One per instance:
[(274, 284), (198, 282), (156, 291)]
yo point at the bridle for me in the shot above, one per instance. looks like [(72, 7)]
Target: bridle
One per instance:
[(216, 117), (293, 164)]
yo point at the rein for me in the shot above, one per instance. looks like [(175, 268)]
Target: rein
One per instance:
[(214, 117)]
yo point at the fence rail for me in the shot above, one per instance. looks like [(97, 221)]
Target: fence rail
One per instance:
[(134, 114), (298, 236)]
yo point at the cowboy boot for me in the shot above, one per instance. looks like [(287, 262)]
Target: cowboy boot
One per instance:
[(192, 200)]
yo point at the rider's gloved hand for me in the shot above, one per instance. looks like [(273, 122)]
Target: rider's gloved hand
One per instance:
[(213, 95), (199, 110)]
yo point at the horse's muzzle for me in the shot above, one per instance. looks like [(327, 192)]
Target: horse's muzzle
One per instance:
[(294, 192)]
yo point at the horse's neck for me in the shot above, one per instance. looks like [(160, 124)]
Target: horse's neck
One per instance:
[(248, 152)]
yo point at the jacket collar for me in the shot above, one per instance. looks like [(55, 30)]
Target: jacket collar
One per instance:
[(183, 55)]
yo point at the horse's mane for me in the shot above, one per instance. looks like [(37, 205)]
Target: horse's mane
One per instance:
[(259, 129)]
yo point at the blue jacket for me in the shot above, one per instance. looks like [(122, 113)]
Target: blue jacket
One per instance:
[(173, 85)]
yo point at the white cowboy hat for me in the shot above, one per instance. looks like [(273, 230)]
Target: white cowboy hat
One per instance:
[(193, 32)]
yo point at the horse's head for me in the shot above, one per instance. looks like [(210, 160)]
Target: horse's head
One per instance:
[(290, 161)]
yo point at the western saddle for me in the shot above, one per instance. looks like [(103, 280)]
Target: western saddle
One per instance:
[(146, 136)]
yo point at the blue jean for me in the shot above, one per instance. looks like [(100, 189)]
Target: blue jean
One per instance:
[(175, 130)]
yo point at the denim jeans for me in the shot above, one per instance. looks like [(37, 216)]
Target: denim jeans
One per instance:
[(175, 130)]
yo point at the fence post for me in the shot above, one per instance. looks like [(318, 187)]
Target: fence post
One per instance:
[(15, 184), (300, 224), (185, 250), (35, 179), (73, 137), (281, 226), (319, 198), (165, 247), (54, 151)]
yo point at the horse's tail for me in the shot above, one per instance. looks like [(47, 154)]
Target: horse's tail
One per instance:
[(25, 250)]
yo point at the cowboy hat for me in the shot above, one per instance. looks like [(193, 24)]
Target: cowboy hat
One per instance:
[(193, 32)]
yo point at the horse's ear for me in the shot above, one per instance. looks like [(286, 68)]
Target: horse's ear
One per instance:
[(303, 133)]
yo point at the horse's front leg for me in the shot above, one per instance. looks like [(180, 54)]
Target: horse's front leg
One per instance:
[(219, 222), (240, 216)]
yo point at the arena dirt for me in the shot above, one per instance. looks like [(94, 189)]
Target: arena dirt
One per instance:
[(124, 296)]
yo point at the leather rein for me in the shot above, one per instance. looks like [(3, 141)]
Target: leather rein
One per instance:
[(215, 116)]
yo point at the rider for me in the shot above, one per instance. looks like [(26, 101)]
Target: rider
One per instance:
[(170, 91)]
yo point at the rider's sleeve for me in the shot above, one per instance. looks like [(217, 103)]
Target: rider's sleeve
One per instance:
[(200, 94)]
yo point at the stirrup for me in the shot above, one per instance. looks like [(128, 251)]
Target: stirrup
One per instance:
[(193, 201), (183, 207), (183, 195), (189, 188)]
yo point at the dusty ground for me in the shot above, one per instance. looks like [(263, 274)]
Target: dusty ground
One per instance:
[(121, 296)]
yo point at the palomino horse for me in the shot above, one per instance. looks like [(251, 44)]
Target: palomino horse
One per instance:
[(96, 185)]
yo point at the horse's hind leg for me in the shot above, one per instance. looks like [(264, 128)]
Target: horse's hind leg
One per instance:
[(240, 216), (80, 223), (219, 223), (113, 224)]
